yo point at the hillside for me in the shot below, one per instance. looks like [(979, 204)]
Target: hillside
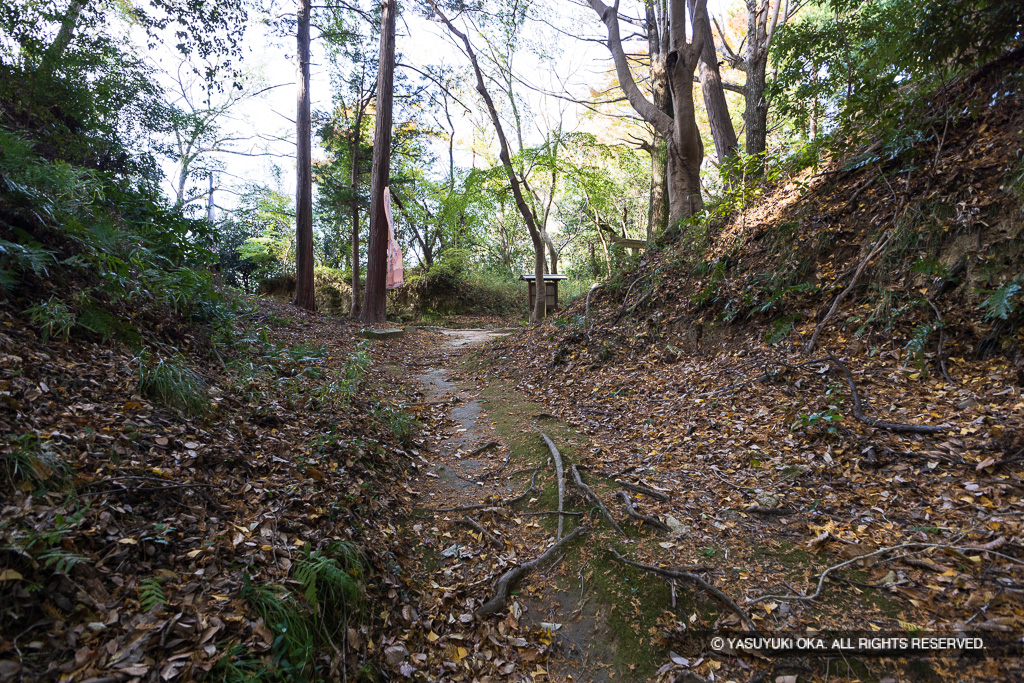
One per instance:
[(694, 375)]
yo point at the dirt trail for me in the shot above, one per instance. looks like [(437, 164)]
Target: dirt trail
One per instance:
[(474, 459)]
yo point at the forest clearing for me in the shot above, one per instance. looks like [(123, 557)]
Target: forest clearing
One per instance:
[(674, 342)]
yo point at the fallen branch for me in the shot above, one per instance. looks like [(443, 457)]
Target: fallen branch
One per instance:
[(692, 578), (470, 522), (643, 519), (592, 497), (879, 245), (514, 575), (559, 474), (508, 502), (880, 424), (639, 488)]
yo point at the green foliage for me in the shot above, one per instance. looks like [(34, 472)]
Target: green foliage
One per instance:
[(315, 613), (867, 71), (54, 318), (1003, 302), (169, 380), (151, 595), (25, 464), (827, 418), (400, 423)]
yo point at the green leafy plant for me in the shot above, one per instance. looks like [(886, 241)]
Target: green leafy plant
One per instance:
[(171, 382), (151, 595), (25, 464), (1003, 302)]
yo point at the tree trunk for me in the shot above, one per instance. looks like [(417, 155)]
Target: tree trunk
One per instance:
[(354, 188), (375, 301), (657, 218), (552, 252), (722, 129), (685, 150), (55, 51), (755, 114), (304, 293)]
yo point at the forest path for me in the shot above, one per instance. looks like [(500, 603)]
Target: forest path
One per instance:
[(480, 445)]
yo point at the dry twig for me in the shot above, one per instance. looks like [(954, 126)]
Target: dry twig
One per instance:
[(873, 422), (470, 522), (508, 502)]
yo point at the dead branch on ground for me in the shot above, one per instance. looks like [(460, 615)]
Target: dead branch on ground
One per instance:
[(692, 578), (643, 519), (592, 497), (514, 575), (873, 422)]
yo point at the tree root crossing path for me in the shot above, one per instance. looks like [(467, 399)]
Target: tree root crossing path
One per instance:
[(534, 552)]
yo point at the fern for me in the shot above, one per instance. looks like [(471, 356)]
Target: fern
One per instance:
[(151, 595), (61, 561), (1002, 302)]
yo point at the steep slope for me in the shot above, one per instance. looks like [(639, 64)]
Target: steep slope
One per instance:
[(834, 372)]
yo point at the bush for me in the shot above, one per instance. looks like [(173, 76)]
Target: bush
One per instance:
[(171, 382)]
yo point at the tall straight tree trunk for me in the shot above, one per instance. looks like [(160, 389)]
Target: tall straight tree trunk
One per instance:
[(657, 39), (375, 301), (755, 115), (354, 187), (304, 294), (722, 129)]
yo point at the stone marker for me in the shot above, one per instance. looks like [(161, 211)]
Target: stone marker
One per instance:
[(381, 334)]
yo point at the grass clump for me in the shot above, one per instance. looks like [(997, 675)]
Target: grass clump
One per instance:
[(172, 383)]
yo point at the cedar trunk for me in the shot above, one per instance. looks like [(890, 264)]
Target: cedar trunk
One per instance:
[(375, 301), (304, 293)]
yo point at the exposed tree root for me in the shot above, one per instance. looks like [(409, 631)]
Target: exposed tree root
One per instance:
[(508, 502), (643, 519), (639, 488), (778, 512), (879, 245), (940, 353), (560, 476), (692, 578), (592, 497), (510, 578), (880, 424), (495, 541)]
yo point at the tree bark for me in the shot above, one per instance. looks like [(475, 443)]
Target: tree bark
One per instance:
[(375, 301), (304, 292), (55, 50), (755, 113), (722, 129), (657, 43), (357, 134), (685, 149)]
